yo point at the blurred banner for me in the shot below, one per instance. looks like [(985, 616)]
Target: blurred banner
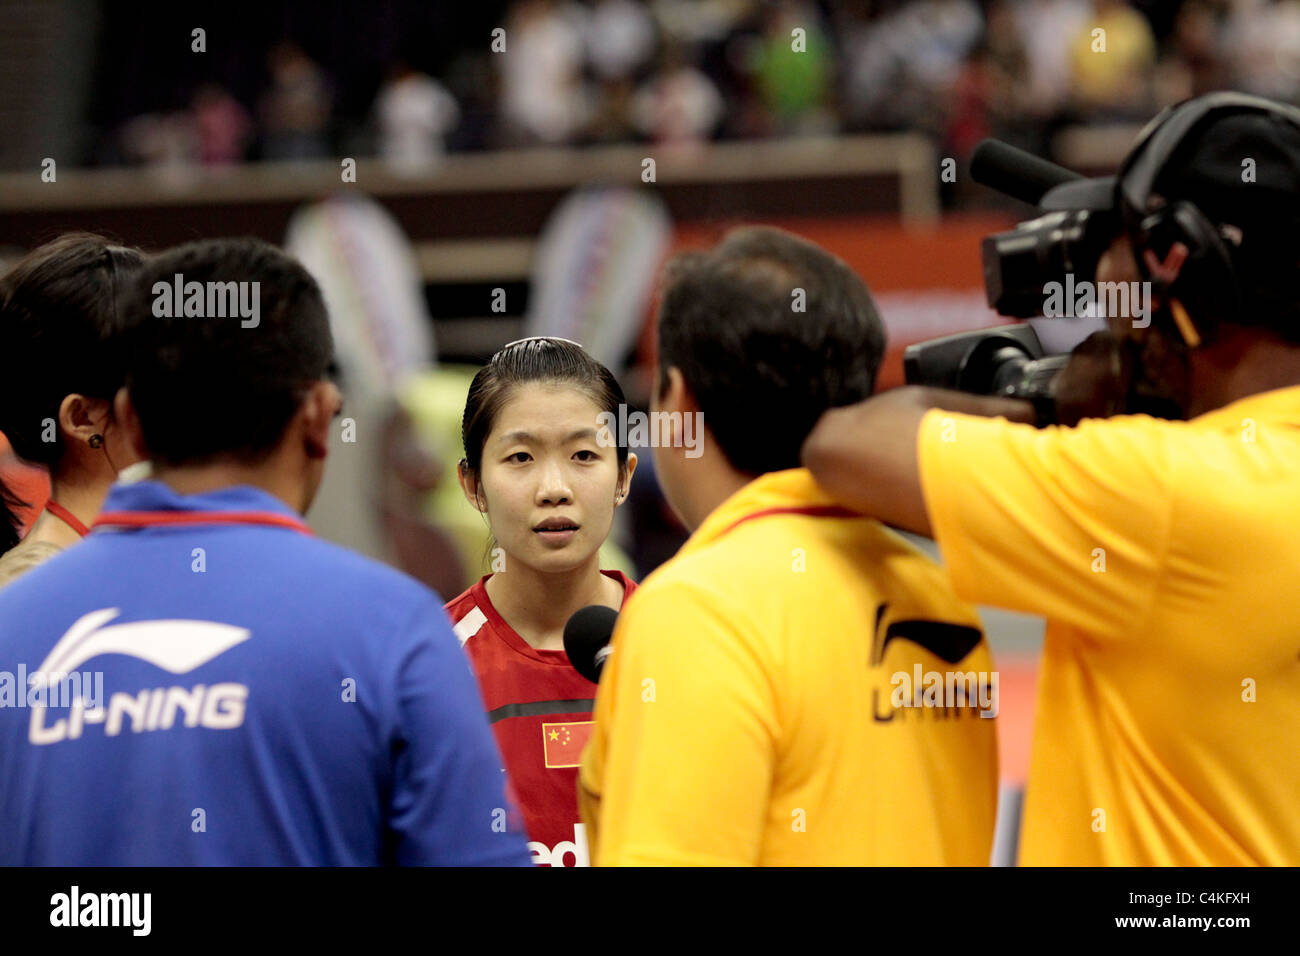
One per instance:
[(594, 269)]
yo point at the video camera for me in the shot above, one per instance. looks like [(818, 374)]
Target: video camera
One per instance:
[(1011, 361)]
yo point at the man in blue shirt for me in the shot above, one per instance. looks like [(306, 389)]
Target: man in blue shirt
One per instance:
[(241, 693)]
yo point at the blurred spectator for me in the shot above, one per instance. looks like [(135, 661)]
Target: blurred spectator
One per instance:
[(1262, 47), (221, 126), (160, 140), (295, 111), (680, 104), (970, 103), (612, 121), (1113, 61), (414, 112), (700, 21), (474, 82), (1047, 29), (793, 75), (1192, 64), (900, 65), (620, 38), (988, 98), (543, 100)]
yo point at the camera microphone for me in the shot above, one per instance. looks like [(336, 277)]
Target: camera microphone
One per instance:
[(1015, 172), (586, 639)]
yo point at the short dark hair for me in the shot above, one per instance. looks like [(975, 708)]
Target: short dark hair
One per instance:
[(543, 359), (208, 388), (58, 310), (761, 370)]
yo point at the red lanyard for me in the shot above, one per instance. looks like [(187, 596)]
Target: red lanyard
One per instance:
[(142, 519), (816, 511), (67, 517)]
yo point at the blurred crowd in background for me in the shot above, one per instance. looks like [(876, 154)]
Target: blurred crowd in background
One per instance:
[(410, 81), (681, 71)]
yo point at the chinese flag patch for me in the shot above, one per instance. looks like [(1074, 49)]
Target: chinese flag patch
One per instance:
[(562, 743)]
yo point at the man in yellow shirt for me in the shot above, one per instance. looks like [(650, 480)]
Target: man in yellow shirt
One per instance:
[(798, 686), (1163, 553)]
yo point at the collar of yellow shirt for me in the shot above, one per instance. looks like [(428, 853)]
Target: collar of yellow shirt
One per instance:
[(778, 492)]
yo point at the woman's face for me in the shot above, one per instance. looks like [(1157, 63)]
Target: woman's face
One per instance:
[(547, 482)]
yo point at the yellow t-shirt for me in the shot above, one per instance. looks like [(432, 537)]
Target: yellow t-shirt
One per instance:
[(1166, 559), (747, 714)]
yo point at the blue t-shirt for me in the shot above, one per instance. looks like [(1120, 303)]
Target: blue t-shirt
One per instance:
[(239, 694)]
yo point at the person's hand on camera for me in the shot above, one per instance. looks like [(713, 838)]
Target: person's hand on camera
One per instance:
[(1095, 382)]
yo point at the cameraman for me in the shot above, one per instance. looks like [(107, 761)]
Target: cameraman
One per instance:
[(1163, 553)]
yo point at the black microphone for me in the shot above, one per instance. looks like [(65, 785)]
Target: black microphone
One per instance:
[(1015, 172), (586, 639)]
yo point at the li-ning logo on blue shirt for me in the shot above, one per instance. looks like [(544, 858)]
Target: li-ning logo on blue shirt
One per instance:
[(177, 646)]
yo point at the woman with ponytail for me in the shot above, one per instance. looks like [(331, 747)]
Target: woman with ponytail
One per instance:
[(58, 316)]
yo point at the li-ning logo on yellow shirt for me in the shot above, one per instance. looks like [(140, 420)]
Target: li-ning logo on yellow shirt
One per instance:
[(976, 693), (562, 743), (951, 642)]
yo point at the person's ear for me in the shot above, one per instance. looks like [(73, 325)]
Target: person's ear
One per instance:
[(82, 418), (319, 408), (128, 420), (469, 484), (625, 481), (676, 397)]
